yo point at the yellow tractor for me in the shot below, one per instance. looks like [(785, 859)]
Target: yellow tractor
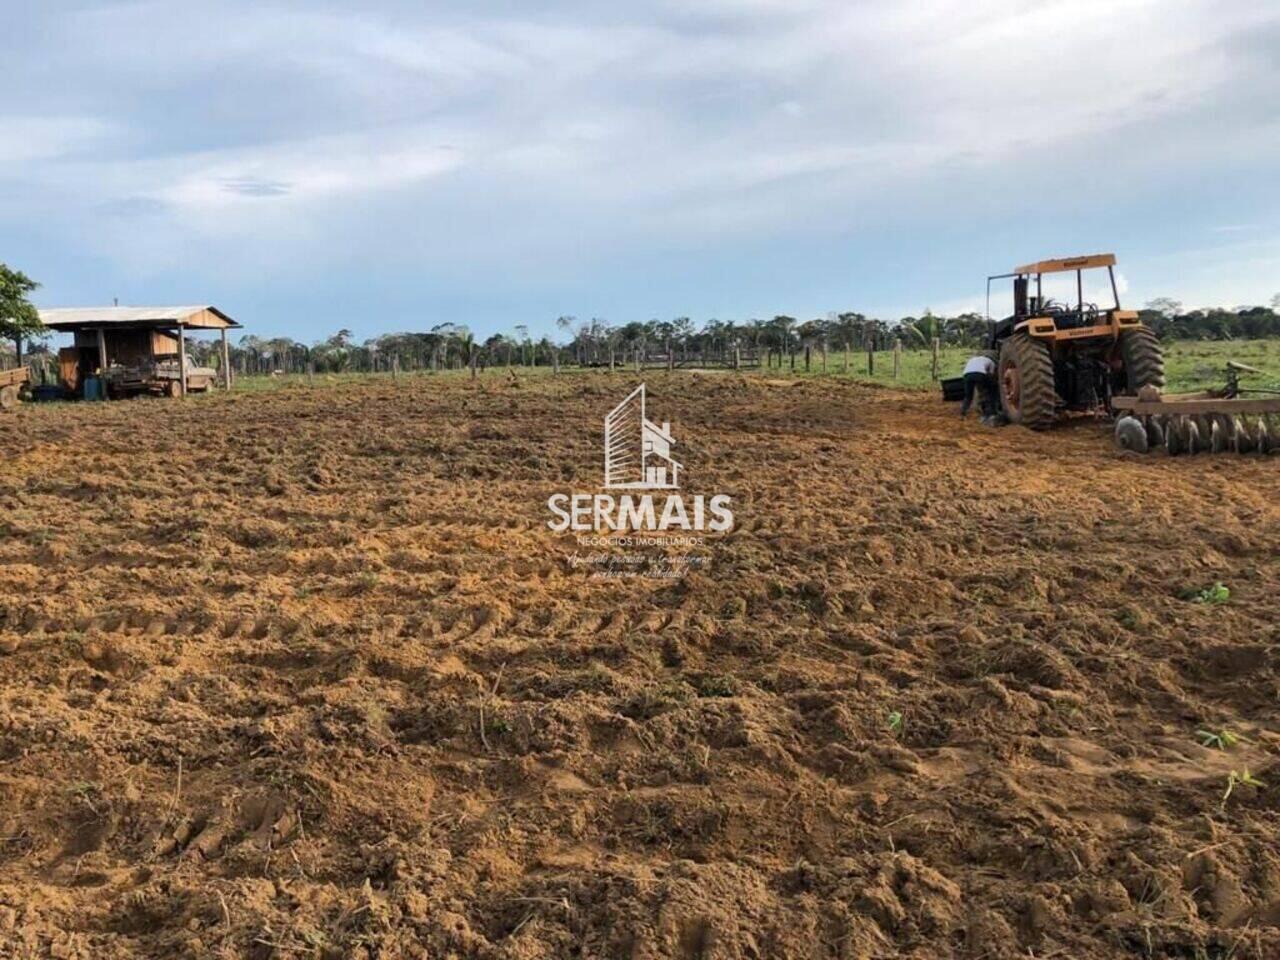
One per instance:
[(1056, 356)]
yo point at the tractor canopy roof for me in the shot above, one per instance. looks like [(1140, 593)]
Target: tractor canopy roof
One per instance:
[(1068, 263)]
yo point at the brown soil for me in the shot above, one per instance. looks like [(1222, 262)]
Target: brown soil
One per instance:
[(304, 674)]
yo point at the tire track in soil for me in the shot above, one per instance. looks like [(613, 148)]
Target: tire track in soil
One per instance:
[(303, 673)]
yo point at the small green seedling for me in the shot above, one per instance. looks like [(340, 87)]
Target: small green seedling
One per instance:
[(1238, 776), (86, 793), (1213, 596), (1221, 740), (895, 722)]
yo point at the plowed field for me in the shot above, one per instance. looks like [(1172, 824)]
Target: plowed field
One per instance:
[(303, 673)]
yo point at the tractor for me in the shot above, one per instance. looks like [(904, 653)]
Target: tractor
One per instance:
[(1055, 357)]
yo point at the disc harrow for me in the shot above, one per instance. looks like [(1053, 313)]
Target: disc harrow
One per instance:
[(1179, 434), (1232, 420)]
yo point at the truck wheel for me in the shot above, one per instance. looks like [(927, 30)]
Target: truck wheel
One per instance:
[(1027, 390), (8, 397), (174, 389), (1143, 360)]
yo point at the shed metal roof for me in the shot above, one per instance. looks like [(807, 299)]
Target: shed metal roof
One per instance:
[(196, 317)]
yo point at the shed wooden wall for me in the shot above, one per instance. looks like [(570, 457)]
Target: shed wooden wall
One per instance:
[(129, 347)]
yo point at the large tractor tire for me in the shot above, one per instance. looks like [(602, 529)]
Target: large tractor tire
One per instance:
[(1027, 390), (8, 397), (1143, 360)]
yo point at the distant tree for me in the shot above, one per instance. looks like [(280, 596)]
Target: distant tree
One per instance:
[(924, 329), (466, 345), (682, 330), (335, 355), (1165, 306), (442, 335), (968, 329), (18, 318), (781, 326), (1275, 303), (566, 322), (491, 348), (250, 354), (522, 337)]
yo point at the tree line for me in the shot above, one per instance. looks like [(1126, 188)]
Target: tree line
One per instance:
[(596, 342)]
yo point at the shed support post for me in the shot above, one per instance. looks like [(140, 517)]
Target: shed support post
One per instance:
[(226, 364), (182, 358), (102, 350)]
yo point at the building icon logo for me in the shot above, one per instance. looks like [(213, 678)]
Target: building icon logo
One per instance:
[(637, 451)]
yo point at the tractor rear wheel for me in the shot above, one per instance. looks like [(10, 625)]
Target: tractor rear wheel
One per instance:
[(8, 397), (1027, 389), (1143, 360)]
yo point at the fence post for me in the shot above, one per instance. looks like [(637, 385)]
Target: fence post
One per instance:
[(311, 373), (824, 356), (897, 358), (395, 366), (807, 350), (871, 359), (936, 344)]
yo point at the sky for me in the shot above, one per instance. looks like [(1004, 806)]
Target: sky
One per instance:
[(391, 165)]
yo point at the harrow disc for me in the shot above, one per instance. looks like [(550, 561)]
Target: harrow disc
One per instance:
[(1155, 431), (1131, 435), (1218, 438), (1240, 440), (1173, 437), (1190, 430), (1262, 437)]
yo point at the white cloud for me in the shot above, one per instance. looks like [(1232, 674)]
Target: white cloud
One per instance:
[(29, 139), (302, 171), (280, 133)]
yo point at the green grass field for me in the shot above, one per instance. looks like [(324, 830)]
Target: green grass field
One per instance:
[(1191, 365)]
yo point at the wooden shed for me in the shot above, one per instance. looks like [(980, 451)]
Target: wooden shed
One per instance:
[(107, 337)]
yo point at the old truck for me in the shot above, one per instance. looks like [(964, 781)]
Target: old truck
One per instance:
[(160, 376), (11, 384)]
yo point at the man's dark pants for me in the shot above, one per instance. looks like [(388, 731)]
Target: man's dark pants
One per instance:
[(979, 383)]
